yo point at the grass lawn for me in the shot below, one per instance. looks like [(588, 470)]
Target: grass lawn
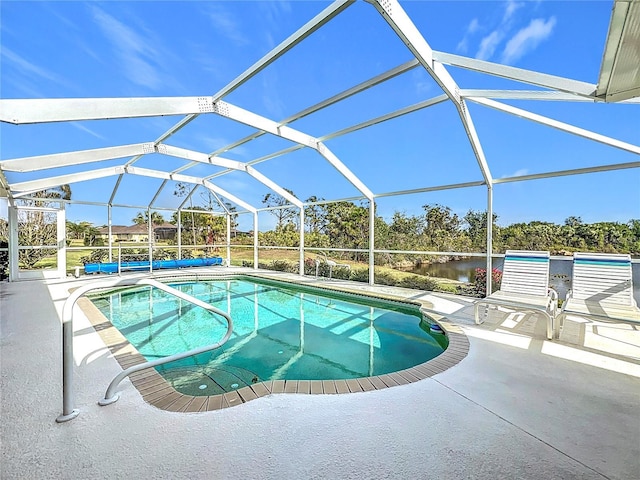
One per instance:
[(238, 255)]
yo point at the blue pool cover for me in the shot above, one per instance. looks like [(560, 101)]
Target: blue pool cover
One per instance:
[(112, 267)]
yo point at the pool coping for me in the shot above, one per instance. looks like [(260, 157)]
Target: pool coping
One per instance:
[(156, 391)]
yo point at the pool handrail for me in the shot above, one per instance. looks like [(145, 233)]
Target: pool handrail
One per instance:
[(68, 412)]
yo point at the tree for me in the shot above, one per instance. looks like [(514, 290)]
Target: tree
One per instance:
[(38, 228), (442, 227), (477, 229), (348, 226), (182, 190), (284, 214), (315, 216), (142, 218)]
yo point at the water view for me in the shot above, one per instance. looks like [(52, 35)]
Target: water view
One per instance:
[(464, 271)]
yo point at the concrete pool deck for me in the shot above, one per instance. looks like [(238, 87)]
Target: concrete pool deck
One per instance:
[(517, 406)]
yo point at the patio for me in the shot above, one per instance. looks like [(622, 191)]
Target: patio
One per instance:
[(518, 406)]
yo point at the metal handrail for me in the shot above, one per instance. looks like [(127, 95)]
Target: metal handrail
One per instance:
[(68, 412)]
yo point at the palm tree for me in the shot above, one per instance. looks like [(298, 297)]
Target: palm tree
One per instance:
[(142, 217)]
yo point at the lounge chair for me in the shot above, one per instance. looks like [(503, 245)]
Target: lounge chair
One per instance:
[(601, 289), (524, 287)]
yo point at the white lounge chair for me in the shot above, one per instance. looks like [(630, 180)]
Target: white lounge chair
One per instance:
[(601, 289), (524, 287)]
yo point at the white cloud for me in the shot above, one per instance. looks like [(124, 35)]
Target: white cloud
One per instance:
[(137, 53), (273, 11), (489, 44), (472, 28), (29, 68), (518, 173), (527, 39), (225, 24), (79, 126), (510, 8)]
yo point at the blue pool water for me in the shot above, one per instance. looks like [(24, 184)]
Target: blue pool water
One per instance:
[(281, 332)]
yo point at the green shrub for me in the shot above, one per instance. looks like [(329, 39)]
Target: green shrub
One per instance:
[(359, 274), (279, 266), (448, 288), (96, 256), (384, 278), (419, 282)]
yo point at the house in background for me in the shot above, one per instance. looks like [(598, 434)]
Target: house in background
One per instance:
[(138, 233)]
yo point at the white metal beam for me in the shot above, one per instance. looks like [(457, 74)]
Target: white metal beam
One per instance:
[(186, 120), (230, 164), (400, 22), (518, 74), (41, 162), (262, 123), (4, 186), (323, 17), (155, 197), (279, 153), (199, 157), (50, 182), (188, 179), (273, 186), (394, 72), (233, 198), (383, 118), (452, 186), (303, 32), (383, 77), (536, 95), (581, 132), (188, 197), (254, 120), (43, 110), (344, 170), (574, 171)]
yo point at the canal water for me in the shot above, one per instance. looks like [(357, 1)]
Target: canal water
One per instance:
[(559, 271)]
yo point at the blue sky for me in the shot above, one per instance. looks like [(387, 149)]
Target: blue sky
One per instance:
[(163, 48)]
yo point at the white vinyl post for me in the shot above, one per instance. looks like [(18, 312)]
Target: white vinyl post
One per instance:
[(228, 239), (372, 237), (109, 233), (489, 237), (255, 240), (61, 227), (301, 270), (150, 239), (13, 243), (179, 235)]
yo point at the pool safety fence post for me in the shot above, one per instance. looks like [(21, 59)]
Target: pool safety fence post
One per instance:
[(179, 235), (255, 240), (68, 410), (301, 258), (372, 237), (150, 239), (228, 239), (109, 233)]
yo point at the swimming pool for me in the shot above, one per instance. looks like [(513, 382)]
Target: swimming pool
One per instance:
[(281, 332)]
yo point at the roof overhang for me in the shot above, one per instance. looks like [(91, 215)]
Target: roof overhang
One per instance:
[(620, 70)]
